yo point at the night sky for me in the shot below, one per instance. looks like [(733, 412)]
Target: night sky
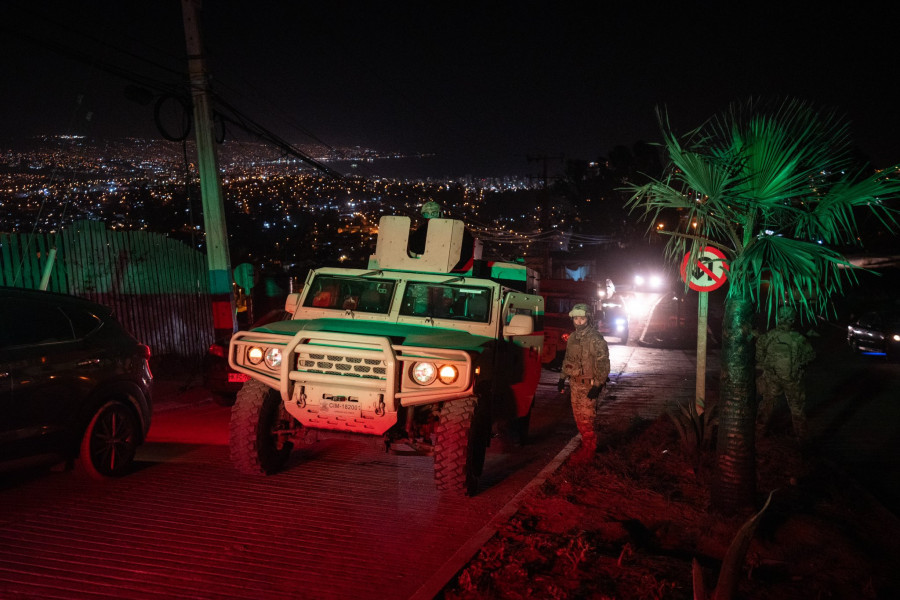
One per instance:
[(480, 86)]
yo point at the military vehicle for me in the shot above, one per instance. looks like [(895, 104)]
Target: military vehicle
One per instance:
[(428, 353)]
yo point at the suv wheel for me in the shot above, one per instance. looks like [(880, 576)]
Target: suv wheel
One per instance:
[(110, 441), (461, 438), (257, 417)]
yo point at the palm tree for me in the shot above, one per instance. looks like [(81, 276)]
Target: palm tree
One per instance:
[(770, 184)]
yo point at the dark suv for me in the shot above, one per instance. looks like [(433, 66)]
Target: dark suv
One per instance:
[(73, 383)]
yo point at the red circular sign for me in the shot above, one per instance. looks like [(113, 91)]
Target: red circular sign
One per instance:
[(708, 273)]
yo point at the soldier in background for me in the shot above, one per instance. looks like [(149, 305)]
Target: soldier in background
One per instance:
[(783, 354), (586, 365)]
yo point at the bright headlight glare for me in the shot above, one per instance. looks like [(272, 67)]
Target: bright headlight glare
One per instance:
[(447, 374), (424, 373), (255, 355), (896, 337), (273, 358)]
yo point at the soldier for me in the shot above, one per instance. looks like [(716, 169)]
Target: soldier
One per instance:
[(417, 237), (783, 354), (586, 365), (429, 210)]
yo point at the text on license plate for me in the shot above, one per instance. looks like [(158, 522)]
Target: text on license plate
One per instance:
[(330, 405)]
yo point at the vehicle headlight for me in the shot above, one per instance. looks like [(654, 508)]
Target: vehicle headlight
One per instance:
[(424, 373), (255, 355), (896, 337), (448, 374), (273, 358)]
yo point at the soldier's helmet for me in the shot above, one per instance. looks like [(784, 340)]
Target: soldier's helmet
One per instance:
[(580, 310), (786, 314), (431, 210)]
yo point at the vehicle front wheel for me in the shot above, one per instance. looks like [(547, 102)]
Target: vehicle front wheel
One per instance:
[(523, 423), (258, 443), (110, 441), (461, 439)]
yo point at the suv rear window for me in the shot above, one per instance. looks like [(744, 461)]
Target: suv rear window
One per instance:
[(83, 322), (30, 323)]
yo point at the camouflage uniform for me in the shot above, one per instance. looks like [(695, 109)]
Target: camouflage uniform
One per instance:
[(586, 365), (783, 355)]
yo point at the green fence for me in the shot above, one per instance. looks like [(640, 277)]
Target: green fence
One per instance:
[(158, 287)]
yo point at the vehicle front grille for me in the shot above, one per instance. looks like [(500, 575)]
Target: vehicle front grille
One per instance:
[(347, 366)]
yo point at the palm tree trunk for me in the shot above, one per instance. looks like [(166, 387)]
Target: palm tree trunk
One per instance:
[(734, 489)]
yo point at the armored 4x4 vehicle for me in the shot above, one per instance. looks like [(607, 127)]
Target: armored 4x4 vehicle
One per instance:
[(424, 354)]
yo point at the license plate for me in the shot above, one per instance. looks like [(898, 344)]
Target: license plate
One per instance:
[(238, 378), (338, 406)]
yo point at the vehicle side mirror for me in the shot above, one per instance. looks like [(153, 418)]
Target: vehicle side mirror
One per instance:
[(519, 325), (292, 302)]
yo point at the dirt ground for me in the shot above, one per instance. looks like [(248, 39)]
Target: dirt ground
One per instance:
[(628, 523)]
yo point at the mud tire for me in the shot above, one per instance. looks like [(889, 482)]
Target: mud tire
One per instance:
[(460, 442), (256, 416)]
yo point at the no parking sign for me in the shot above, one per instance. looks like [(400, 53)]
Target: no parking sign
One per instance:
[(708, 273)]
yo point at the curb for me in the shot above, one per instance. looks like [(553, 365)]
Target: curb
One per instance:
[(443, 575)]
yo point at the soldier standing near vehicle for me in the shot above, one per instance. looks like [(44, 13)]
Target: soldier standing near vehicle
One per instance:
[(783, 354), (586, 365)]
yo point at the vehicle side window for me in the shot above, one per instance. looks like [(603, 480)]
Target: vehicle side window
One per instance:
[(30, 323), (84, 322), (446, 302), (869, 321), (350, 293), (518, 310)]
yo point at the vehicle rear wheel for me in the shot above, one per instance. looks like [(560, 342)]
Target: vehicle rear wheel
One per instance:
[(257, 420), (461, 438), (110, 441)]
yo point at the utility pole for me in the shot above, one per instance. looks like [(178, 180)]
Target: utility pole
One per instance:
[(217, 256)]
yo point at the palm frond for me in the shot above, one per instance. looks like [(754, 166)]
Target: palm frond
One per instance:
[(777, 270), (832, 217)]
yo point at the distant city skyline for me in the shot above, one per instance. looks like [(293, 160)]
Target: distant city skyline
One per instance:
[(480, 87)]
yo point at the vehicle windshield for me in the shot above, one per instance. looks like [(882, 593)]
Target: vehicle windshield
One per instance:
[(459, 302), (358, 294)]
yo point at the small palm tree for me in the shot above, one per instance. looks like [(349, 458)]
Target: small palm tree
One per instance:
[(770, 184)]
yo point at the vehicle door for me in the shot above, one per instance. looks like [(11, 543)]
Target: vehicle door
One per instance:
[(45, 374), (522, 353), (871, 335)]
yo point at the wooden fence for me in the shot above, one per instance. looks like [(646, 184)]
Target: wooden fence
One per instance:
[(158, 287)]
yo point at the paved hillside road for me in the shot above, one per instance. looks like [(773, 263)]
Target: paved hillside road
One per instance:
[(345, 520)]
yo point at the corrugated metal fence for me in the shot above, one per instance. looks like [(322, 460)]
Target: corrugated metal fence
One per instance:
[(158, 287)]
